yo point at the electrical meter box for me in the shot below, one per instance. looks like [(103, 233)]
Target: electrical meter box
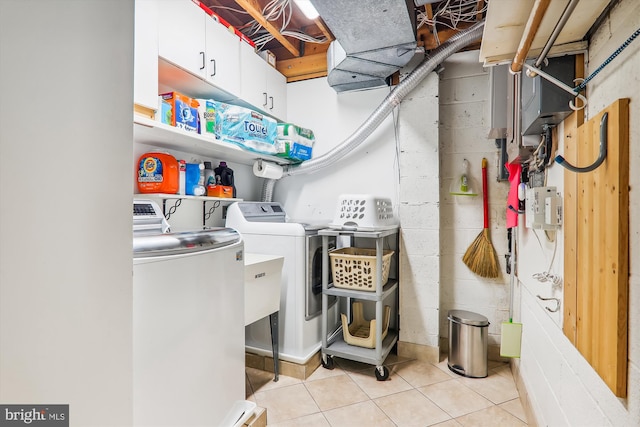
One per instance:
[(544, 103)]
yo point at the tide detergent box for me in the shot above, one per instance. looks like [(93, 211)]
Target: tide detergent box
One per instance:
[(246, 128), (180, 111)]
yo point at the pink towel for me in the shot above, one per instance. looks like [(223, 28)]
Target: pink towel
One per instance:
[(512, 200)]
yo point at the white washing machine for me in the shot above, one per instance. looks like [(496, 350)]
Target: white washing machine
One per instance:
[(265, 230), (188, 320)]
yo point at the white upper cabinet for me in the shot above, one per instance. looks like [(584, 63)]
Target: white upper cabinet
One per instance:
[(253, 86), (145, 83), (277, 92), (194, 41), (181, 35), (223, 56), (203, 59), (261, 84)]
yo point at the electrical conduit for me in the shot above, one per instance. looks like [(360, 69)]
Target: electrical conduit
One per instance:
[(395, 97)]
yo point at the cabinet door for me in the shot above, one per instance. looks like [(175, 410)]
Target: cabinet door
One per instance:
[(276, 93), (181, 34), (262, 85), (223, 61), (145, 74), (253, 85)]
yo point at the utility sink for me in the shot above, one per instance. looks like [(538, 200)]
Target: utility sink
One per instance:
[(262, 283)]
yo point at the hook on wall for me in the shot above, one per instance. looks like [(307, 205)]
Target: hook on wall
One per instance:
[(557, 301), (603, 150)]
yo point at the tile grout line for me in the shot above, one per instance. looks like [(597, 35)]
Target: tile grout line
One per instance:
[(350, 373)]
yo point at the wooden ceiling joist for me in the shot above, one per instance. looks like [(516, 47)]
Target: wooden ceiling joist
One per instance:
[(479, 8), (429, 11), (254, 9), (306, 67), (323, 27)]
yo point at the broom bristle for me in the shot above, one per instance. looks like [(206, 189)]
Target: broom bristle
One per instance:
[(481, 257)]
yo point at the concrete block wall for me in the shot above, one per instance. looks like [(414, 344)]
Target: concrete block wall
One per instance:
[(463, 129), (419, 215), (563, 388)]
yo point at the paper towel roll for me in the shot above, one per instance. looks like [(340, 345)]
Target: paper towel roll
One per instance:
[(268, 170)]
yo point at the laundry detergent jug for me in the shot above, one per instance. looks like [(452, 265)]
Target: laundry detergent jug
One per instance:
[(224, 176), (158, 173)]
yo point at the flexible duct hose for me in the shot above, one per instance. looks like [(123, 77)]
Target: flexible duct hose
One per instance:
[(395, 97), (267, 189)]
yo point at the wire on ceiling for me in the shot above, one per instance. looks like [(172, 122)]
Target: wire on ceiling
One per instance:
[(450, 13), (279, 11)]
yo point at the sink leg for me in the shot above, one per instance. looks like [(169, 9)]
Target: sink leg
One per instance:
[(273, 322)]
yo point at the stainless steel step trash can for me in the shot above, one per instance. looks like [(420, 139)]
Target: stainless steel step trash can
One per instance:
[(468, 343)]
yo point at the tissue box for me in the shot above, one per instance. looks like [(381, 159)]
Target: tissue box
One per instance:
[(246, 128), (294, 142), (225, 191), (179, 110)]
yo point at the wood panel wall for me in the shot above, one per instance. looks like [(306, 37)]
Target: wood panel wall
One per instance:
[(596, 233)]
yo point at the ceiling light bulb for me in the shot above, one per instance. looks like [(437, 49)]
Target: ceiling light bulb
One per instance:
[(307, 8)]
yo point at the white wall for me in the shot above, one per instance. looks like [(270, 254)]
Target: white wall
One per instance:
[(464, 125), (562, 386), (66, 71), (372, 168)]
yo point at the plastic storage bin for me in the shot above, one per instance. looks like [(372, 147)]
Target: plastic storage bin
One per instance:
[(364, 212), (362, 332), (468, 343), (356, 268)]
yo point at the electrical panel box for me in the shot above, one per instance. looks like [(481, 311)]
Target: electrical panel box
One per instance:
[(544, 103), (498, 88), (543, 208)]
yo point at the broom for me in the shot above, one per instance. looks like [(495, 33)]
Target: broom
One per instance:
[(481, 257)]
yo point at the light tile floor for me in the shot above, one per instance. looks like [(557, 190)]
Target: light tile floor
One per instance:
[(416, 394)]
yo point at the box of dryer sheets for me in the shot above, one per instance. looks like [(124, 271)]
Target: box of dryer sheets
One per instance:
[(178, 110), (294, 142), (246, 128)]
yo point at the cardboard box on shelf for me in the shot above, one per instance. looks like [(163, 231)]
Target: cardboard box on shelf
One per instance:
[(225, 191), (178, 110), (268, 56)]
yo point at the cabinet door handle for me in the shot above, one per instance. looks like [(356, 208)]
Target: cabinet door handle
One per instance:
[(271, 98), (214, 67), (202, 54), (265, 99)]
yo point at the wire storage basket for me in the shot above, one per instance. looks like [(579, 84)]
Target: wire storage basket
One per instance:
[(356, 268)]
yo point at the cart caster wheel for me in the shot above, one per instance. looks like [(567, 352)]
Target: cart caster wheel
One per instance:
[(328, 364), (382, 373)]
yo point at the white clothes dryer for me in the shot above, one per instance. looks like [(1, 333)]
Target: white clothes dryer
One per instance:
[(265, 230)]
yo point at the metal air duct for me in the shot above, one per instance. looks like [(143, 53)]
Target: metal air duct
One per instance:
[(374, 39), (395, 97)]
